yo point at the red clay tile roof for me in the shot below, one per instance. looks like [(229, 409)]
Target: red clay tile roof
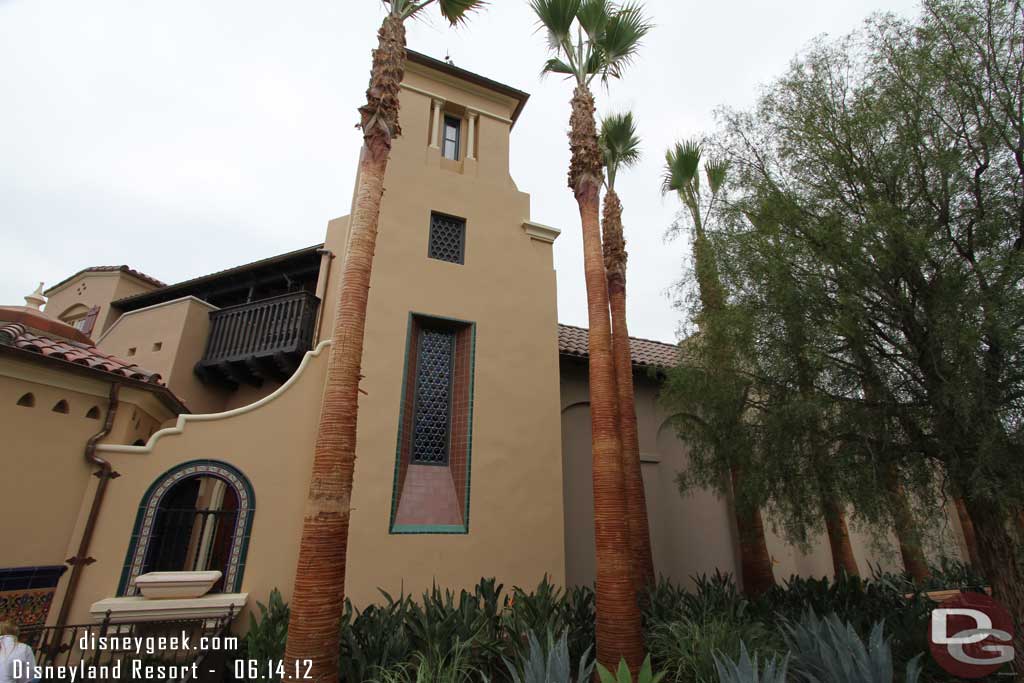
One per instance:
[(111, 269), (18, 336), (572, 341)]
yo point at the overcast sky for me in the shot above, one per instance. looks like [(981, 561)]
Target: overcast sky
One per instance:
[(190, 136)]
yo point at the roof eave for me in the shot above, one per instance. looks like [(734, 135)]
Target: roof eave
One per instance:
[(166, 396)]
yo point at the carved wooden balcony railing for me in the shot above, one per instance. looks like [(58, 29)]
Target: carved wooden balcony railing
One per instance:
[(259, 340)]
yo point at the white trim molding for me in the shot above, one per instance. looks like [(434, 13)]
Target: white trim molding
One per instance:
[(541, 232), (155, 306), (127, 610), (185, 418)]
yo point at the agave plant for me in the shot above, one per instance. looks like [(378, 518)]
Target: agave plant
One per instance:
[(622, 675), (746, 669), (550, 664), (828, 650)]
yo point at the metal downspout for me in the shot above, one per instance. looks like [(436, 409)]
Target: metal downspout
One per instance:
[(105, 474)]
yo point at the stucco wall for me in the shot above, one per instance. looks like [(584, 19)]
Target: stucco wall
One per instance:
[(43, 455), (690, 534), (170, 338), (507, 287), (95, 289), (271, 444), (45, 473)]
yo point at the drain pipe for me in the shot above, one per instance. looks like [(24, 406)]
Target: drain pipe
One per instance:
[(105, 474)]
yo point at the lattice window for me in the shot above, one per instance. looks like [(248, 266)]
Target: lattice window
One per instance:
[(432, 417), (447, 238)]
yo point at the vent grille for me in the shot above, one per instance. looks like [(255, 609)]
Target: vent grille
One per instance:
[(447, 238)]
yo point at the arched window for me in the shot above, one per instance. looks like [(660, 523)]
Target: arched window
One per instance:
[(93, 413), (27, 401), (61, 406), (196, 516)]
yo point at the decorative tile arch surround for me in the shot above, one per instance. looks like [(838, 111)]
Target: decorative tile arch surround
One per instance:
[(146, 517)]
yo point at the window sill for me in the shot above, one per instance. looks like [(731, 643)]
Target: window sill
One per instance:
[(134, 609)]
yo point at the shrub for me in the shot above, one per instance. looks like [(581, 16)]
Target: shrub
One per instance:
[(686, 649), (268, 634), (830, 651), (622, 675), (550, 664), (374, 639), (746, 669)]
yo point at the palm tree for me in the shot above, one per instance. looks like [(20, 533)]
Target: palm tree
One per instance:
[(682, 176), (592, 38), (318, 596), (621, 149)]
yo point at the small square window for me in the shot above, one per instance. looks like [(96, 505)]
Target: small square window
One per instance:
[(157, 346), (131, 351), (447, 238), (451, 137)]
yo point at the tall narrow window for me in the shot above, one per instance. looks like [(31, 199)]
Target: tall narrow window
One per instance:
[(447, 238), (433, 402), (431, 490), (451, 138)]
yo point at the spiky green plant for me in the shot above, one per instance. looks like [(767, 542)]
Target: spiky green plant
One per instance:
[(550, 663), (622, 675), (746, 669), (828, 650)]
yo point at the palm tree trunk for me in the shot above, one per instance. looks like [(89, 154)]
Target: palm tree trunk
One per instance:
[(319, 593), (618, 628), (755, 561), (905, 527), (636, 498), (843, 559), (970, 537)]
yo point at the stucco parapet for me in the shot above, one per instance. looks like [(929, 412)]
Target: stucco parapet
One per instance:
[(147, 309), (133, 609), (184, 419), (541, 232)]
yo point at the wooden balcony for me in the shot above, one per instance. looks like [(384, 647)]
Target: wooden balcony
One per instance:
[(260, 340)]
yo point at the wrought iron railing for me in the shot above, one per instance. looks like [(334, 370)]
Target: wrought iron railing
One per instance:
[(175, 650), (281, 324)]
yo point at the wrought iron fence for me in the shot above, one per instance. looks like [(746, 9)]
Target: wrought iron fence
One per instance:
[(171, 650)]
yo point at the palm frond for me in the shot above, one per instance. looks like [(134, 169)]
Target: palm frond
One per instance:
[(716, 171), (556, 66), (556, 16), (619, 143), (593, 16), (620, 41), (457, 11), (682, 166)]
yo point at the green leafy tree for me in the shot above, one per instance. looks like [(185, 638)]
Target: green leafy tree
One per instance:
[(888, 168), (707, 392)]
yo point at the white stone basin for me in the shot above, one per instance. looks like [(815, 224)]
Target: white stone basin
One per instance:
[(164, 585)]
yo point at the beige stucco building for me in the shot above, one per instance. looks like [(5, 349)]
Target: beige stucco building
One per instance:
[(474, 441)]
